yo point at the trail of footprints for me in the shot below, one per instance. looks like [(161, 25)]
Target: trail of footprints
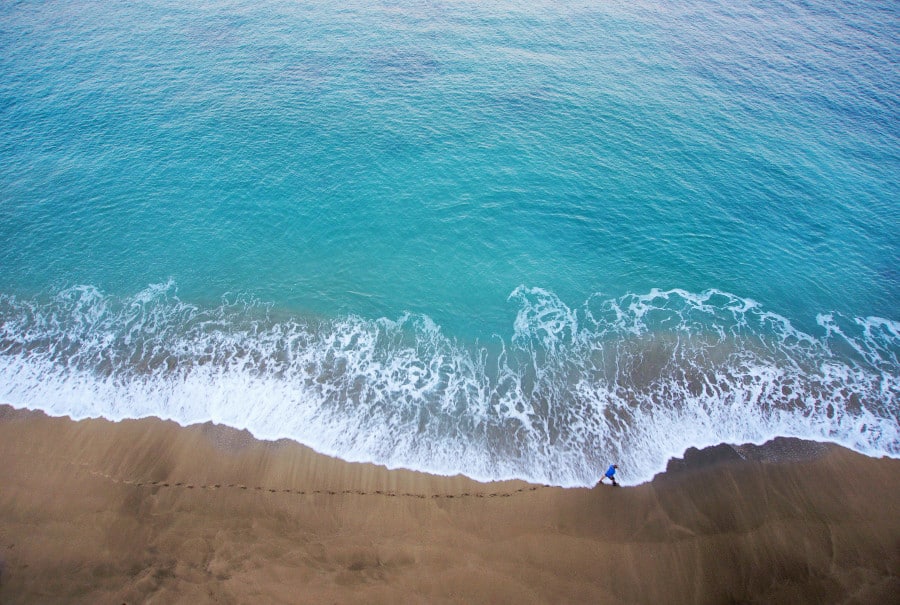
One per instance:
[(315, 492)]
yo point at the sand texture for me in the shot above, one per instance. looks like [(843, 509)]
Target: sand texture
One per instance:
[(145, 511)]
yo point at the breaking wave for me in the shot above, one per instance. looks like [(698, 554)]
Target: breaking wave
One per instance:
[(635, 379)]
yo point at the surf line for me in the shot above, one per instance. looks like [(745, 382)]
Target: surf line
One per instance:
[(313, 492)]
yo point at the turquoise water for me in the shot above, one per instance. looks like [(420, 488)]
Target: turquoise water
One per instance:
[(504, 240)]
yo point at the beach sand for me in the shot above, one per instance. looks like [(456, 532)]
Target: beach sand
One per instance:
[(145, 511)]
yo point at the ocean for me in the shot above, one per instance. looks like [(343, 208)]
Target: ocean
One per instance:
[(504, 239)]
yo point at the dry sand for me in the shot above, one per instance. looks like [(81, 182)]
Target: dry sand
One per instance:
[(148, 512)]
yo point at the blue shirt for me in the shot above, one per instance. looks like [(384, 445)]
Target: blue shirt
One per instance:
[(611, 471)]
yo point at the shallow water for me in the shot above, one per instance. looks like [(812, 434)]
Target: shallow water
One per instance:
[(462, 237)]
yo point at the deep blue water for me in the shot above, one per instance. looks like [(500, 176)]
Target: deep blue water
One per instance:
[(484, 237)]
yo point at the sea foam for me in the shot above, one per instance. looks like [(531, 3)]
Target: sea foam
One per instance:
[(635, 379)]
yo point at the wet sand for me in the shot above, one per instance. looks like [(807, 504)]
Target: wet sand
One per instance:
[(147, 511)]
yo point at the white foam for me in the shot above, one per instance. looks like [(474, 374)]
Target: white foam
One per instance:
[(636, 379)]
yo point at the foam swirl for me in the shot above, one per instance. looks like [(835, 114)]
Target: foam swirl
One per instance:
[(635, 379)]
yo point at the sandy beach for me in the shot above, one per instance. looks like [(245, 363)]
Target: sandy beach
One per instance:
[(145, 511)]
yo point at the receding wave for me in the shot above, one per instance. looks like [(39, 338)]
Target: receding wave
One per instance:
[(635, 379)]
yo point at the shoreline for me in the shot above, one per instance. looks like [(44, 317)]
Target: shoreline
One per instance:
[(554, 411), (100, 511), (778, 448)]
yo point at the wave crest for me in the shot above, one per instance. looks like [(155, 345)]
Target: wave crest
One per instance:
[(635, 379)]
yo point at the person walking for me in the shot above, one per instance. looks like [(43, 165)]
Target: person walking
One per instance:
[(610, 474)]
